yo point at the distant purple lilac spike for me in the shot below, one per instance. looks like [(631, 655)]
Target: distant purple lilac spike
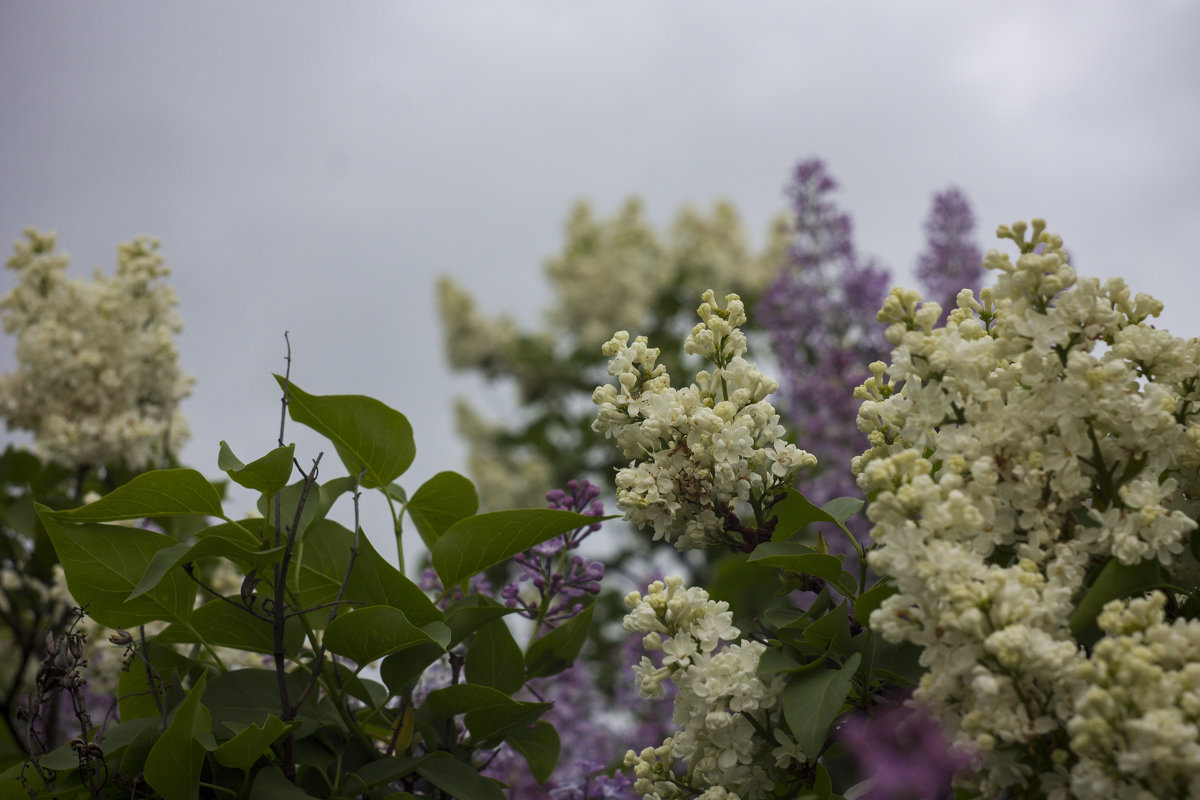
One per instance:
[(952, 261), (558, 577), (905, 753), (820, 316)]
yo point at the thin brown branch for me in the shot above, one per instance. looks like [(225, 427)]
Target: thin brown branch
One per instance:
[(319, 660), (279, 612), (191, 573)]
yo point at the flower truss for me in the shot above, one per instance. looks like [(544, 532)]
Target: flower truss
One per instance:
[(1041, 441), (98, 380), (553, 578), (729, 740), (698, 453)]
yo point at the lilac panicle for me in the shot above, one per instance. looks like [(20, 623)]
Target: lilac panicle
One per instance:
[(905, 753), (559, 577), (430, 582), (820, 317), (952, 260)]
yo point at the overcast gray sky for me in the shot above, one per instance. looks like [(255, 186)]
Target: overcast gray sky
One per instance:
[(313, 167)]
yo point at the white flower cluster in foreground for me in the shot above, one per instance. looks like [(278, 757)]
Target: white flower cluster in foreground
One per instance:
[(722, 707), (699, 452), (98, 378), (1137, 722), (1045, 430)]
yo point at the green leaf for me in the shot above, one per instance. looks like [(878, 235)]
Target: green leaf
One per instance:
[(776, 659), (843, 508), (104, 564), (137, 750), (219, 624), (872, 599), (495, 659), (899, 663), (367, 434), (459, 780), (1114, 581), (226, 540), (125, 733), (372, 693), (554, 652), (383, 770), (400, 671), (368, 634), (60, 759), (173, 765), (162, 563), (831, 630), (135, 689), (162, 493), (320, 568), (478, 542), (470, 613), (797, 558), (246, 697), (271, 784), (540, 746), (812, 700), (488, 712), (795, 511), (266, 475), (252, 743), (823, 783), (441, 501), (317, 503)]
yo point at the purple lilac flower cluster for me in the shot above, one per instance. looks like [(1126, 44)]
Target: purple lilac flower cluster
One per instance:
[(558, 577), (819, 314), (820, 317), (952, 261), (905, 753), (430, 582)]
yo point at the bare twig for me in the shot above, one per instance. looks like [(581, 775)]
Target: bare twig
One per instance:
[(279, 612), (319, 661), (287, 382)]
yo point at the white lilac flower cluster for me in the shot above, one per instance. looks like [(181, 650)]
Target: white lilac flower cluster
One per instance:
[(612, 273), (722, 707), (1044, 430), (98, 378), (696, 453), (1137, 722)]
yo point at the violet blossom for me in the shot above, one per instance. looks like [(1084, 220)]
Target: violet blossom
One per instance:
[(820, 317), (952, 261), (558, 577)]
